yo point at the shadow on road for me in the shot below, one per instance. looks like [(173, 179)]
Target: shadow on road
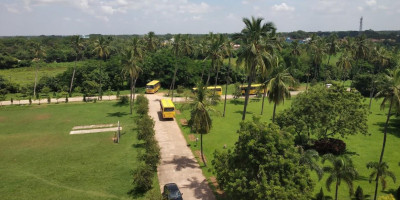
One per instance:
[(201, 189), (182, 162)]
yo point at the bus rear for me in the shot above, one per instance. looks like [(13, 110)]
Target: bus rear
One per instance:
[(167, 109)]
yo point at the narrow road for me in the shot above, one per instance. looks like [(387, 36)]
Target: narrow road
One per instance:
[(178, 164)]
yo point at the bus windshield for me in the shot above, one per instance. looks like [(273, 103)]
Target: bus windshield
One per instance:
[(149, 86), (168, 109)]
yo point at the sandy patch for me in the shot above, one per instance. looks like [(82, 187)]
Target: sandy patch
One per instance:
[(198, 155), (215, 183), (42, 117), (192, 137), (184, 122)]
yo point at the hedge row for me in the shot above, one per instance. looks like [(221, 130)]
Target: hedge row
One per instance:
[(144, 174)]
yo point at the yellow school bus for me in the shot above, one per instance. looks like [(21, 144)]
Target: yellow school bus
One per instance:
[(153, 87), (167, 108), (254, 88), (218, 90)]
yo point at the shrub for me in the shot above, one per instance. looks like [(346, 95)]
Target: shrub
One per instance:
[(238, 92), (152, 155), (387, 197), (124, 100), (78, 89), (142, 105), (118, 93), (145, 128), (84, 98), (180, 89), (12, 101), (359, 195), (330, 145), (48, 99), (143, 178), (66, 98), (30, 100)]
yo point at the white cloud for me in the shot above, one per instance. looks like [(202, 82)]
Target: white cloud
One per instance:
[(231, 16), (282, 7), (67, 19), (107, 9), (360, 8), (370, 2), (12, 8), (245, 2)]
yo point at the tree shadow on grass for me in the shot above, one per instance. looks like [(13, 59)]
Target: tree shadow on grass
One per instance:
[(182, 162), (236, 102), (120, 104), (201, 188), (255, 100), (394, 126), (117, 114), (241, 112), (135, 194)]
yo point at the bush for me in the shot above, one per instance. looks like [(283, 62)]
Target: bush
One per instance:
[(330, 145), (180, 89), (142, 105), (66, 98), (359, 195), (238, 92), (145, 128), (143, 178), (48, 99), (152, 155), (30, 100), (124, 100)]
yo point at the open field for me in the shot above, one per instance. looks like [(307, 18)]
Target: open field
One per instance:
[(40, 160), (26, 75), (367, 148)]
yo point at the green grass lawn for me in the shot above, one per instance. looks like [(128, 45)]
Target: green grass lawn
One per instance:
[(40, 160), (224, 131), (26, 75)]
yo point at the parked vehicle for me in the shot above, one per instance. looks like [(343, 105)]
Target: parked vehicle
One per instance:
[(171, 192)]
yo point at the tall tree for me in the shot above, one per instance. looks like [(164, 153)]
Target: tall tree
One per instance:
[(278, 89), (102, 48), (344, 63), (39, 53), (131, 62), (77, 45), (380, 172), (333, 46), (151, 42), (200, 120), (257, 44), (317, 50), (390, 95), (229, 50), (342, 169), (216, 53)]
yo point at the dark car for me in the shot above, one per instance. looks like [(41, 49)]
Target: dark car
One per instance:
[(171, 191)]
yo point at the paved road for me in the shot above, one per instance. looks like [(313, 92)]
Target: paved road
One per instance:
[(178, 165)]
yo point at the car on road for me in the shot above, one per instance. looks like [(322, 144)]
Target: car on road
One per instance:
[(171, 192)]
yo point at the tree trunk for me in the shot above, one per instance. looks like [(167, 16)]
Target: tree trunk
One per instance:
[(101, 78), (329, 58), (134, 91), (337, 188), (227, 83), (246, 100), (171, 88), (308, 78), (201, 149), (131, 96), (216, 81), (273, 114), (262, 105), (383, 145), (34, 87), (208, 77), (370, 97), (72, 79), (202, 71)]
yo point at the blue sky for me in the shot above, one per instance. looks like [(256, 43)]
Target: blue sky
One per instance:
[(67, 17)]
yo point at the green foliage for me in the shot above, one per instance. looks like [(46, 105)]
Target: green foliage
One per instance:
[(359, 195), (380, 172), (180, 89), (365, 83), (124, 100), (142, 178), (326, 112), (264, 164), (142, 105), (145, 127), (237, 92)]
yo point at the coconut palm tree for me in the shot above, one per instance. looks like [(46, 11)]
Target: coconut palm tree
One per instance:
[(200, 120), (309, 158), (151, 42), (39, 53), (332, 46), (229, 50), (216, 53), (278, 89), (102, 48), (342, 169), (344, 63), (381, 58), (380, 172), (257, 46), (77, 45), (317, 49), (131, 61)]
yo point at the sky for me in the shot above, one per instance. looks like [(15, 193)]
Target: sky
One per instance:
[(115, 17)]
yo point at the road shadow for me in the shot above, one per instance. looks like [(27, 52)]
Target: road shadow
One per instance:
[(394, 126), (201, 189), (160, 117), (182, 162), (116, 114)]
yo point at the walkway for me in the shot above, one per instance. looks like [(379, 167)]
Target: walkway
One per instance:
[(178, 165)]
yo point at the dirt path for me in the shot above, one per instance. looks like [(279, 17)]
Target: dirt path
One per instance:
[(178, 165)]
